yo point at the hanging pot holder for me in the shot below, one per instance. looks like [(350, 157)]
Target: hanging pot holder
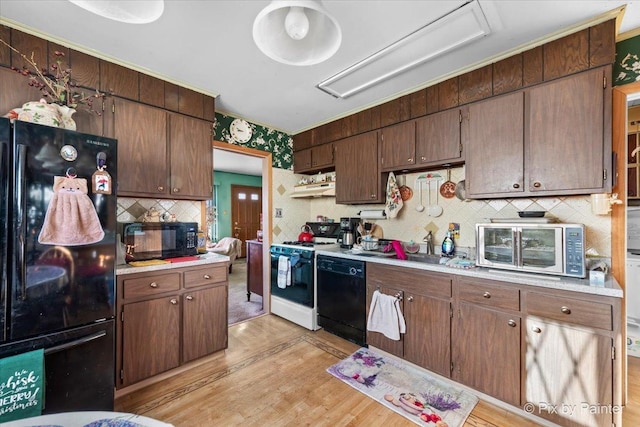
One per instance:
[(71, 218)]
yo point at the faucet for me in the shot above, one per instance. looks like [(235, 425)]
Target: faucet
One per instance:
[(429, 240)]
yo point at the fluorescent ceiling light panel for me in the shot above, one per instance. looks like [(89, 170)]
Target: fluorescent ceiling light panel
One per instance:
[(458, 28)]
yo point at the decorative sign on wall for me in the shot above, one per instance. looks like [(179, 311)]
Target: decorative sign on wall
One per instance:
[(235, 131), (21, 386), (627, 66)]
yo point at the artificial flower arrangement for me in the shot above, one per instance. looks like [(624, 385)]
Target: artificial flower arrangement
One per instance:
[(55, 83)]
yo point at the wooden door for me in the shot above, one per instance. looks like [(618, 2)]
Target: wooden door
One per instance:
[(565, 126), (357, 177), (486, 351), (246, 207), (141, 131), (191, 158), (438, 138), (427, 342), (568, 367), (494, 146), (398, 146), (150, 338), (377, 339), (204, 322)]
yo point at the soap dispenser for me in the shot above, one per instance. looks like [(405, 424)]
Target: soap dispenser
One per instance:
[(448, 245)]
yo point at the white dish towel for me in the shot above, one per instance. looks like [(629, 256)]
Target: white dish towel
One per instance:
[(394, 199), (284, 272), (385, 316)]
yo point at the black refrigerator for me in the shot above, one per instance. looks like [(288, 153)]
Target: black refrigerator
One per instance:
[(58, 293)]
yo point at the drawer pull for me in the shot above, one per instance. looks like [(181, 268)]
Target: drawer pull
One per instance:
[(565, 309), (410, 298), (536, 329), (399, 296), (512, 323), (487, 295), (516, 185), (161, 188), (173, 301), (153, 285), (206, 276), (189, 298), (537, 185), (176, 190)]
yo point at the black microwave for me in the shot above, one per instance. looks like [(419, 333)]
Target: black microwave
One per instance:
[(159, 240)]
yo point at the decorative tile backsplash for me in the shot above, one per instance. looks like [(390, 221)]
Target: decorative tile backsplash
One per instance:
[(413, 225), (131, 209)]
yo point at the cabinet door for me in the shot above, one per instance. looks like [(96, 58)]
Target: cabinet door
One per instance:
[(568, 368), (486, 351), (377, 339), (438, 138), (357, 177), (150, 338), (141, 132), (302, 160), (398, 146), (254, 268), (428, 337), (322, 156), (566, 125), (494, 146), (204, 328), (191, 158)]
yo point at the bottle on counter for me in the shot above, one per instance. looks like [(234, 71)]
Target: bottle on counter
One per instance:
[(448, 246), (202, 242)]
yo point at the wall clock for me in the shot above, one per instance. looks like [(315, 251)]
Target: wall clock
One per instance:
[(240, 130)]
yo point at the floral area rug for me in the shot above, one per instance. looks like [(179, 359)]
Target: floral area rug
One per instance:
[(419, 397)]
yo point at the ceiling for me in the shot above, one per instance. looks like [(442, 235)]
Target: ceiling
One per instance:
[(208, 46)]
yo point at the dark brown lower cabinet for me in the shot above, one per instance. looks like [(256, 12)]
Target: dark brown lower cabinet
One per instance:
[(254, 268), (486, 351), (168, 318), (150, 338)]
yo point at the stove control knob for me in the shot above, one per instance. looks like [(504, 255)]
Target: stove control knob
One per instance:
[(352, 271)]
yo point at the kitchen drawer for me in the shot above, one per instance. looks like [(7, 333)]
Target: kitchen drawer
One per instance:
[(489, 295), (410, 280), (151, 285), (205, 275), (580, 312)]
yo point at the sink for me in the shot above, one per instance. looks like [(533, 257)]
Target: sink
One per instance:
[(373, 254), (425, 258)]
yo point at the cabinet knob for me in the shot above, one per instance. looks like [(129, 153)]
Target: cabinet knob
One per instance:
[(206, 276), (536, 184), (512, 323), (423, 158), (176, 190), (410, 298), (399, 296), (565, 309), (189, 298), (536, 329), (409, 160), (516, 185), (153, 285), (487, 295), (373, 196), (160, 188), (173, 301)]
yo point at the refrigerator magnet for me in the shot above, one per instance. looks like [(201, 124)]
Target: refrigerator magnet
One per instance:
[(101, 181)]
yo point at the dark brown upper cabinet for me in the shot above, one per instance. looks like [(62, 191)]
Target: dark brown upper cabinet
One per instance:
[(119, 80), (151, 90), (476, 85), (566, 56), (438, 138), (507, 75), (85, 69), (398, 146)]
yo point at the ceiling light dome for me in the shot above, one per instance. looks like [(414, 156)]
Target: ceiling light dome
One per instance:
[(130, 11), (297, 32)]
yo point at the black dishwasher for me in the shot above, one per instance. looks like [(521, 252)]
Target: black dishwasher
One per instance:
[(341, 291)]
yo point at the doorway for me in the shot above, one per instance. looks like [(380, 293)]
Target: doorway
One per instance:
[(246, 213)]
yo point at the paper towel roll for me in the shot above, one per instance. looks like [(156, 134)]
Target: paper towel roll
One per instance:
[(373, 214)]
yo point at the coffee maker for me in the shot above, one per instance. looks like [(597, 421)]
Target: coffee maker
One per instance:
[(348, 232)]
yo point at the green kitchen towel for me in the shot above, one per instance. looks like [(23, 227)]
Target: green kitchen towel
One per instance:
[(21, 386)]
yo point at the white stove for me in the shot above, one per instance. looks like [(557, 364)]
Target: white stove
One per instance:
[(296, 299)]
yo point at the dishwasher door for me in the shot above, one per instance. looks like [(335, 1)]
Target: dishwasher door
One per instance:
[(342, 293)]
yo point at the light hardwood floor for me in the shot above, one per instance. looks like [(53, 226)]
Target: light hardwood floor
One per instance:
[(273, 374)]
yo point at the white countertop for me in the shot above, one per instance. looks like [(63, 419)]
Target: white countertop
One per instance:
[(208, 258), (611, 288)]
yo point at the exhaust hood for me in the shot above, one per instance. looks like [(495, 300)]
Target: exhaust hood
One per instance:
[(320, 189)]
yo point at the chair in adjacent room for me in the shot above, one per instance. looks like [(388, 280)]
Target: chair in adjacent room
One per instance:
[(229, 246)]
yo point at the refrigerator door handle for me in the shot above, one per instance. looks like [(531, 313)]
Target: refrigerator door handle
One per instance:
[(21, 200), (75, 343)]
